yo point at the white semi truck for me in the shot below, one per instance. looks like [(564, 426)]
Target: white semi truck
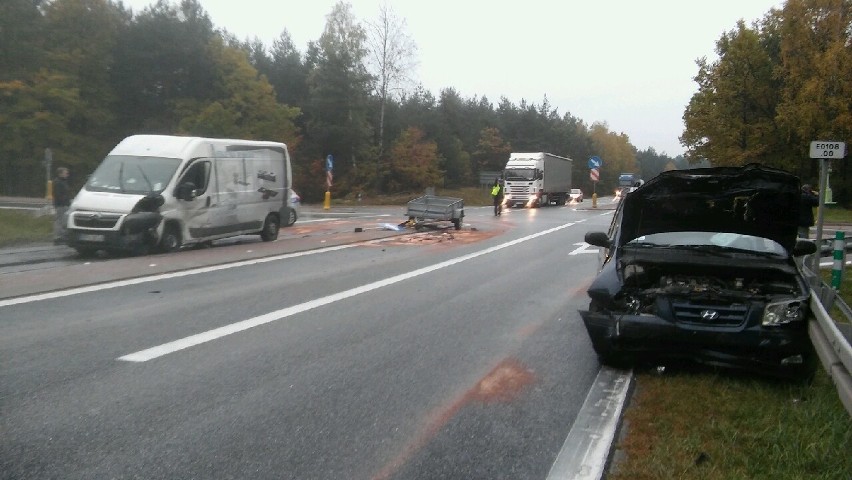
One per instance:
[(536, 180)]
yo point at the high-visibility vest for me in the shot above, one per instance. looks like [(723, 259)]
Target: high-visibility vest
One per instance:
[(495, 190)]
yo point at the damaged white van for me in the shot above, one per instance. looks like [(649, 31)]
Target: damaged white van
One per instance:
[(161, 192)]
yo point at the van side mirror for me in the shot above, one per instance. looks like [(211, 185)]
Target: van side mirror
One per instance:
[(598, 239), (804, 247), (186, 191)]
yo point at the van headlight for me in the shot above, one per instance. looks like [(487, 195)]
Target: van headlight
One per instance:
[(782, 313)]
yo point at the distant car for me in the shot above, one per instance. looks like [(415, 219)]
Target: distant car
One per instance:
[(295, 206), (701, 265), (576, 195), (621, 192)]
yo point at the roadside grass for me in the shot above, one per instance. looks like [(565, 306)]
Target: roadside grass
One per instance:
[(20, 227), (718, 426), (836, 215), (844, 292), (472, 196)]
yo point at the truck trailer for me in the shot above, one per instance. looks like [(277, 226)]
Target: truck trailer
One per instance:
[(536, 180)]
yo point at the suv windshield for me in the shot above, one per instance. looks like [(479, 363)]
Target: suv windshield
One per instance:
[(132, 174), (710, 241)]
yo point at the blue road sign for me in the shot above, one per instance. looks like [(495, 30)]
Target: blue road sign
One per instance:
[(595, 162), (329, 163)]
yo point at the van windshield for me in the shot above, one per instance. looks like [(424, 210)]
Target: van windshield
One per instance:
[(132, 174)]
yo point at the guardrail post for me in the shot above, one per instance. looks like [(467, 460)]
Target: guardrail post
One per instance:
[(839, 259)]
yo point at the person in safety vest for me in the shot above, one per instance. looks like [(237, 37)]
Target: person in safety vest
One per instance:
[(497, 196)]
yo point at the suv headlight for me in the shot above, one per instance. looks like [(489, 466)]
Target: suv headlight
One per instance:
[(782, 313)]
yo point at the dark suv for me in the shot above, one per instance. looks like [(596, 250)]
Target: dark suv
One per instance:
[(700, 264)]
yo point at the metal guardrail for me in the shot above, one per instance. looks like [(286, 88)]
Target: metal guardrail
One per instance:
[(831, 344)]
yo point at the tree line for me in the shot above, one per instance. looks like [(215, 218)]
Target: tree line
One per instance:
[(76, 76), (777, 85)]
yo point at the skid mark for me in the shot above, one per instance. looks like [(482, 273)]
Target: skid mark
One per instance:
[(502, 384)]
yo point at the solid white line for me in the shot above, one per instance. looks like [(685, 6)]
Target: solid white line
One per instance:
[(164, 276), (192, 340), (583, 455)]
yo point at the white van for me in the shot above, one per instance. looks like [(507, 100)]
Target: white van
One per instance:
[(164, 192)]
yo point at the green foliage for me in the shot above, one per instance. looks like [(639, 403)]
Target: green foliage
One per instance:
[(731, 118), (492, 151), (414, 162), (21, 39), (339, 87), (777, 86), (247, 107), (18, 228), (616, 152), (701, 425), (79, 75)]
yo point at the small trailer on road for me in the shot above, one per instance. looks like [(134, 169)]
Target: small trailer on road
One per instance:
[(435, 208)]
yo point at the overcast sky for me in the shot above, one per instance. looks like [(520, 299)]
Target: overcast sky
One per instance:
[(627, 63)]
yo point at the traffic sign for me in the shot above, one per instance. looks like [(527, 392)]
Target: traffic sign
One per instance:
[(823, 149), (329, 163), (595, 162), (594, 174)]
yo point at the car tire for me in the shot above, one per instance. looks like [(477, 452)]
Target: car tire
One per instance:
[(292, 216), (270, 228), (171, 239)]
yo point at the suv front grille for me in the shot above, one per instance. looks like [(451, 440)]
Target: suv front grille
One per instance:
[(710, 315)]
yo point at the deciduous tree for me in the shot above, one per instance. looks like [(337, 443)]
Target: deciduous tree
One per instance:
[(391, 54), (339, 87), (414, 162), (731, 119)]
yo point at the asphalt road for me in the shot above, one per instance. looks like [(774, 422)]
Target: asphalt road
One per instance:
[(441, 354)]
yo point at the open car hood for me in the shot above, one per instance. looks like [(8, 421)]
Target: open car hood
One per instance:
[(753, 200)]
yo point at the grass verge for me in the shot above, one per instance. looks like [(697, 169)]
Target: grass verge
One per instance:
[(472, 196), (20, 227), (709, 426)]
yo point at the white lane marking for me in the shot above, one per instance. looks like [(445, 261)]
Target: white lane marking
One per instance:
[(164, 276), (199, 338), (583, 455), (332, 219), (583, 247)]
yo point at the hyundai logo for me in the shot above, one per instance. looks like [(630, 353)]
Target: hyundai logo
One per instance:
[(709, 315)]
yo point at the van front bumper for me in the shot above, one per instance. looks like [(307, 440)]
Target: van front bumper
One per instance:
[(133, 231)]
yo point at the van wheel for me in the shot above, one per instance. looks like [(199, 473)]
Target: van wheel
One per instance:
[(270, 228), (292, 216), (171, 240)]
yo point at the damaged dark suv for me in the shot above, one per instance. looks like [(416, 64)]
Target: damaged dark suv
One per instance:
[(700, 265)]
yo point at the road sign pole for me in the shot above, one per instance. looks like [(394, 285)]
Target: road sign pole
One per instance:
[(329, 168), (825, 151)]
